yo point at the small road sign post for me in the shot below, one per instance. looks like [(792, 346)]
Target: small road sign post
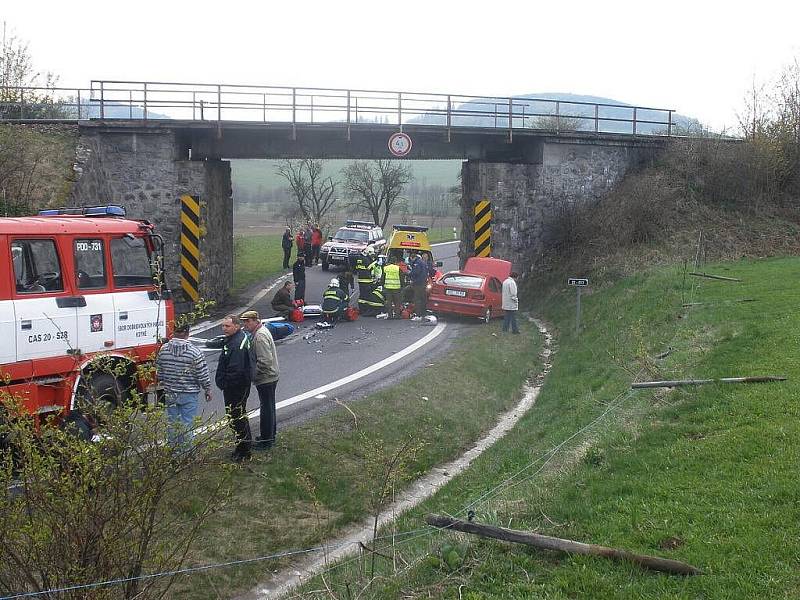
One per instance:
[(578, 282)]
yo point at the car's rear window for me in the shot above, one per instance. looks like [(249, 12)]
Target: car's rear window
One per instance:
[(350, 235), (466, 281)]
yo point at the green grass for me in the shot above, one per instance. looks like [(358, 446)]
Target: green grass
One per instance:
[(324, 475), (256, 257), (706, 475)]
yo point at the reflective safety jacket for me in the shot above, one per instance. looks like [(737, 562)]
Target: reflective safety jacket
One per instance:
[(392, 280), (364, 270), (334, 300), (374, 298)]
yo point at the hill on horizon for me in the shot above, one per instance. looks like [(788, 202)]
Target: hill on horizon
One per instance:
[(576, 111)]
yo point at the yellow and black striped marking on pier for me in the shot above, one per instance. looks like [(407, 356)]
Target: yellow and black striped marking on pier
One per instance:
[(190, 246), (483, 228)]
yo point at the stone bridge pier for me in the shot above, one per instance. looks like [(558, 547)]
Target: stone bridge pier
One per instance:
[(525, 196), (147, 171)]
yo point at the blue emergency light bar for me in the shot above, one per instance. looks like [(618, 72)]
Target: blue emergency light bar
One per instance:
[(110, 210), (409, 228)]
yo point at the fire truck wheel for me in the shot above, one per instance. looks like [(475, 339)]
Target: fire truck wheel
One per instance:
[(100, 393), (78, 425)]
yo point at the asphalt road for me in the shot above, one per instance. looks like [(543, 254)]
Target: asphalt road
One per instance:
[(311, 358)]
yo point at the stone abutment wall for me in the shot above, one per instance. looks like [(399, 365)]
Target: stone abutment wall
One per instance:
[(525, 197), (145, 172)]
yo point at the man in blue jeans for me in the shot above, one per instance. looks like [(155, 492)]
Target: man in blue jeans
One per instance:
[(183, 372)]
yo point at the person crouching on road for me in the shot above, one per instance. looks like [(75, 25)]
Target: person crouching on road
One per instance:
[(265, 372), (183, 372), (299, 276), (371, 304), (282, 302), (233, 377), (334, 302), (392, 286)]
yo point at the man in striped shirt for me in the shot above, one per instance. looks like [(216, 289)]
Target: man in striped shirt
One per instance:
[(183, 372)]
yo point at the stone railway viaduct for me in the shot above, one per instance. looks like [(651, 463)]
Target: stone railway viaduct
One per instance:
[(526, 175)]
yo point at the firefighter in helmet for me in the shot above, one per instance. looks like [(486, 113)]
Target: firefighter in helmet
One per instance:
[(334, 302)]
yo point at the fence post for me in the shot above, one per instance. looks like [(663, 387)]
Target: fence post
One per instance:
[(449, 117), (558, 116), (294, 113), (219, 105), (264, 107), (79, 105), (348, 115), (634, 120), (102, 101), (596, 118), (145, 101), (400, 110), (669, 126), (510, 120), (130, 104)]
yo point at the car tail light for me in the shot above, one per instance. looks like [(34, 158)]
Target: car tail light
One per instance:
[(477, 295)]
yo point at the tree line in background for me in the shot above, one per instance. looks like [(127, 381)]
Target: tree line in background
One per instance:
[(376, 189)]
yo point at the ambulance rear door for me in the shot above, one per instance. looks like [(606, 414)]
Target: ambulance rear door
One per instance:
[(140, 316)]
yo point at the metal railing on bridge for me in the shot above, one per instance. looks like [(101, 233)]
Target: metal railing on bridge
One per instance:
[(132, 100)]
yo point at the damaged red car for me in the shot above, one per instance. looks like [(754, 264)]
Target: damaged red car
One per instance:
[(475, 291)]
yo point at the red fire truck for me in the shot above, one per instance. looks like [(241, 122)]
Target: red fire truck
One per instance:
[(78, 284)]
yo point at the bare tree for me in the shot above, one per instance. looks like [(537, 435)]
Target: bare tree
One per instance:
[(17, 72), (754, 117), (313, 192), (376, 186)]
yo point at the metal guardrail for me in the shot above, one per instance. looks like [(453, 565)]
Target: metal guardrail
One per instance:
[(108, 99)]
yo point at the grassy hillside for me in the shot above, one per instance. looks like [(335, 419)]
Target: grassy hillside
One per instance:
[(705, 475)]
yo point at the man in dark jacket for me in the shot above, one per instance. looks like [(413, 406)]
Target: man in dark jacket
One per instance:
[(286, 244), (233, 377), (299, 276), (282, 302), (419, 283)]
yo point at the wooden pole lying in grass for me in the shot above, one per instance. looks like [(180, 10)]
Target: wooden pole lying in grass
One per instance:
[(688, 304), (547, 542), (706, 275), (683, 382)]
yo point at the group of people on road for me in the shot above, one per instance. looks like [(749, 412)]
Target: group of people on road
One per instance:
[(308, 240), (248, 358)]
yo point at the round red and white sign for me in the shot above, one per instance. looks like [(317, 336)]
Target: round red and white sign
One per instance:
[(400, 144)]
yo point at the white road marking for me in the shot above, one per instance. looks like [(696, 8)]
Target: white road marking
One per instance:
[(256, 412), (358, 374)]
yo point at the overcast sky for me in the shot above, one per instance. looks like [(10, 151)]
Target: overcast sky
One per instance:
[(697, 57)]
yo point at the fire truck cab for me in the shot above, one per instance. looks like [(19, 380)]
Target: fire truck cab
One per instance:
[(75, 285)]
